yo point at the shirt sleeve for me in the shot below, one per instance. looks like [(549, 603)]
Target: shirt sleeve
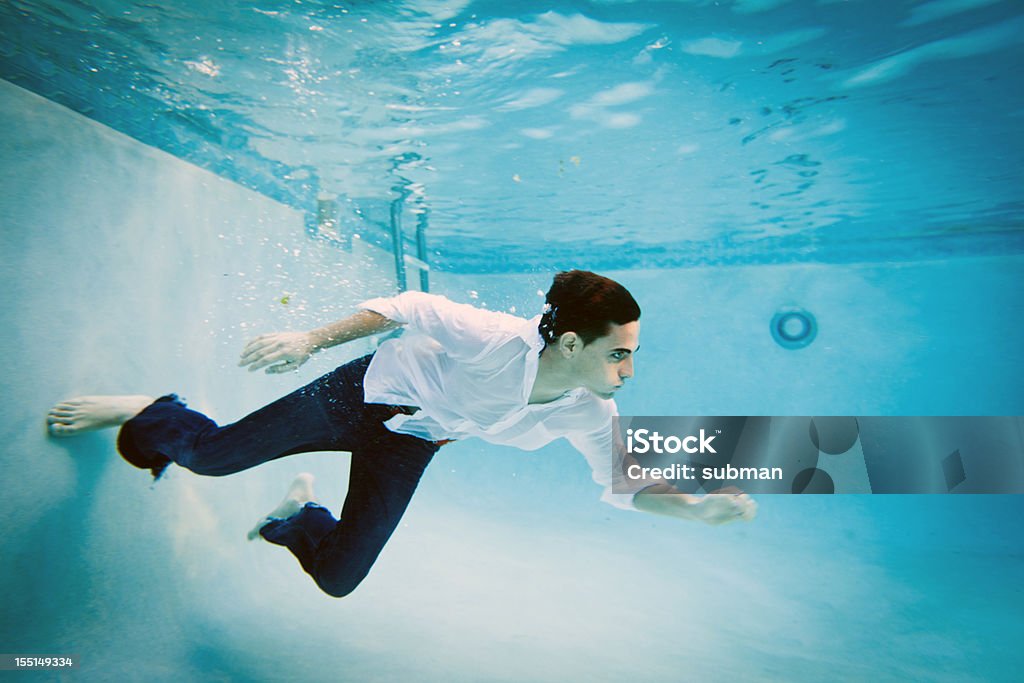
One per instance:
[(606, 453), (466, 332)]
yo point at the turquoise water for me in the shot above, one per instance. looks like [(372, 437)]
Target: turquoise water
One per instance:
[(663, 133), (725, 161)]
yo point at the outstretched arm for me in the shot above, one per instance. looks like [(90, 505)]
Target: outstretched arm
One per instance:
[(286, 351), (649, 494), (718, 507), (362, 324)]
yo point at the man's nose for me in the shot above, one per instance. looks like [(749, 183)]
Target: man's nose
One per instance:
[(626, 371)]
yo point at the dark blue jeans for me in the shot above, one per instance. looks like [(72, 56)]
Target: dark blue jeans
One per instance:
[(326, 415)]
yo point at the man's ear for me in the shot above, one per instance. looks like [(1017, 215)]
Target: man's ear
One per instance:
[(569, 343)]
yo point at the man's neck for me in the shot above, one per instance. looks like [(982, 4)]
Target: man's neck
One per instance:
[(552, 379)]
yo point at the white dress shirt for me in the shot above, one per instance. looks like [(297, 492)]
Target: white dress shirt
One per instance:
[(470, 372)]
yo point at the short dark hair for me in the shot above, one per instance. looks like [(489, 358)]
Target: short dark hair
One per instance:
[(585, 303)]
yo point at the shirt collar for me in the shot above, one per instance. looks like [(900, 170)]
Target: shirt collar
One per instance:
[(530, 333)]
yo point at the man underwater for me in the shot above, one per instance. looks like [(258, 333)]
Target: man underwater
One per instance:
[(458, 372)]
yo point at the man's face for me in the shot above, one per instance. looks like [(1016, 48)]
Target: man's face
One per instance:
[(603, 365)]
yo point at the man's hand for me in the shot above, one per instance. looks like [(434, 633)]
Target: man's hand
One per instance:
[(278, 351), (720, 507)]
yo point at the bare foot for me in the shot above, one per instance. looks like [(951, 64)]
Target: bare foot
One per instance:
[(299, 493), (87, 413)]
